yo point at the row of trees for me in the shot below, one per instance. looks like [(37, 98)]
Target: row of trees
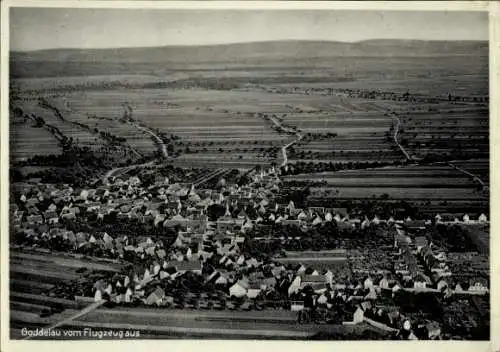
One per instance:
[(301, 167), (321, 237)]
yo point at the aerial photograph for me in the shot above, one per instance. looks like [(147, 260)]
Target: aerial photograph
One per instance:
[(237, 174)]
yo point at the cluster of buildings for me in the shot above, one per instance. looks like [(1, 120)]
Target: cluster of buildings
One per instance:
[(213, 249)]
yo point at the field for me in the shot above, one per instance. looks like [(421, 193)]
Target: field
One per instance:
[(33, 275), (211, 128), (350, 111), (26, 140), (435, 188), (462, 134)]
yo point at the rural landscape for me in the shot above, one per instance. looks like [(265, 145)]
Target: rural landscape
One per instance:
[(287, 189)]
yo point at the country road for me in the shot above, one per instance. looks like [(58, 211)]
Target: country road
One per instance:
[(396, 132), (92, 307), (202, 180), (286, 146), (160, 142), (125, 169), (468, 173)]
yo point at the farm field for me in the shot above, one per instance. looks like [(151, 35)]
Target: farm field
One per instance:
[(480, 167), (209, 105), (81, 136), (453, 133), (27, 140), (411, 194), (204, 129), (420, 177), (34, 274), (161, 323), (433, 188)]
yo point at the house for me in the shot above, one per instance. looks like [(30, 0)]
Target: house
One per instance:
[(441, 285), (341, 212), (294, 286), (420, 242), (329, 277), (239, 289), (290, 222), (358, 315), (268, 283), (254, 289), (313, 279), (478, 285), (421, 281), (385, 282), (372, 295), (396, 288), (224, 278), (296, 306), (434, 330), (458, 288), (155, 297), (414, 225), (184, 266), (34, 219), (368, 283), (252, 263), (321, 301), (240, 260)]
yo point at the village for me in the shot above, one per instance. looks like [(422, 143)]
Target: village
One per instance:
[(234, 247)]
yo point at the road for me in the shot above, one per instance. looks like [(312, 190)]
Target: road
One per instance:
[(396, 132), (286, 146), (159, 141), (202, 180), (75, 316), (468, 173), (125, 169)]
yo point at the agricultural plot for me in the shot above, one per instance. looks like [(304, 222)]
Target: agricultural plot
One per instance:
[(362, 132), (33, 276), (26, 140), (210, 128), (412, 194), (457, 134), (479, 167), (80, 136), (435, 188)]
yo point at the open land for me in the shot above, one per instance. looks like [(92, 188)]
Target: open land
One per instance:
[(204, 198)]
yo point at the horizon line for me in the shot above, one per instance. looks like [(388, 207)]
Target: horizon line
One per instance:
[(254, 42)]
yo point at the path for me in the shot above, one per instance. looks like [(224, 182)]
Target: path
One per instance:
[(468, 173), (77, 315), (125, 169), (396, 132), (286, 146), (202, 180), (159, 141)]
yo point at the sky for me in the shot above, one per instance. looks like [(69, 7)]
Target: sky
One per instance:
[(46, 28)]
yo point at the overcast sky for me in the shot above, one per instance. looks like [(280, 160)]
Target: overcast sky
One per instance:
[(38, 28)]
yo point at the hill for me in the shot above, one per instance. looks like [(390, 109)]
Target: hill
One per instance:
[(258, 50), (99, 61)]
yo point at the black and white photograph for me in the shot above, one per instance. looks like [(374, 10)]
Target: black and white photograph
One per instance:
[(248, 174)]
